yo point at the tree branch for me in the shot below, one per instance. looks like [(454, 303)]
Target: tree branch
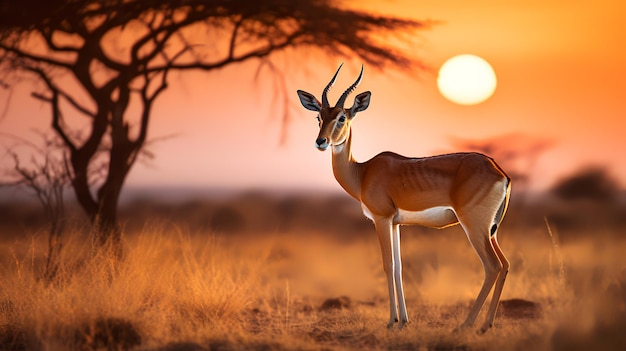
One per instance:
[(166, 30), (47, 33), (148, 100), (54, 103), (82, 109), (35, 58), (233, 38), (257, 53)]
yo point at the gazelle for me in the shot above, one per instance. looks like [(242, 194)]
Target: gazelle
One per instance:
[(439, 191)]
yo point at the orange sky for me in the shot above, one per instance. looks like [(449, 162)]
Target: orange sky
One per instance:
[(561, 68)]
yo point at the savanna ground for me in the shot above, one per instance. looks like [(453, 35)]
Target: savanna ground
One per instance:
[(304, 273)]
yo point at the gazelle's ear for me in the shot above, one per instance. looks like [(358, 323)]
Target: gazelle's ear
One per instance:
[(309, 101), (361, 102)]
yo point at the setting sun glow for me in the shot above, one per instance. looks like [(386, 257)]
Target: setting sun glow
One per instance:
[(466, 80)]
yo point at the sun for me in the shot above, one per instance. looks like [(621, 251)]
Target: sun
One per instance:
[(466, 80)]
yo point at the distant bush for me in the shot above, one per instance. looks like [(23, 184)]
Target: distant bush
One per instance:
[(593, 184), (227, 219)]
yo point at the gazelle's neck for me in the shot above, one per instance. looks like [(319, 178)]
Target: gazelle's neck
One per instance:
[(346, 170)]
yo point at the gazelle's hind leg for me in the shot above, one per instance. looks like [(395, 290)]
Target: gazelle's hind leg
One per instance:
[(495, 299), (479, 237)]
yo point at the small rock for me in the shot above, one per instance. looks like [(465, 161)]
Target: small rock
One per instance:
[(337, 303)]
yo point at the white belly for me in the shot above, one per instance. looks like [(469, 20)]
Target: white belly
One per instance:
[(436, 217)]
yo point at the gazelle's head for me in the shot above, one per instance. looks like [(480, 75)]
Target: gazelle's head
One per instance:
[(335, 121)]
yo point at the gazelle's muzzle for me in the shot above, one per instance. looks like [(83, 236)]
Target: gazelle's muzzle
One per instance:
[(321, 144)]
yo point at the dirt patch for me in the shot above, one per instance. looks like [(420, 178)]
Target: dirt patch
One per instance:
[(519, 309), (111, 333), (337, 303), (448, 347), (182, 346), (13, 338)]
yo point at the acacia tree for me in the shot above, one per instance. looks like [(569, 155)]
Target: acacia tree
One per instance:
[(96, 59)]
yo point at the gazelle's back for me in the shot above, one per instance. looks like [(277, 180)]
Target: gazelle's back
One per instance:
[(393, 181)]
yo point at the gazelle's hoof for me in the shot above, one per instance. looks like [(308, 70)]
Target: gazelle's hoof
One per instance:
[(463, 328), (484, 328), (391, 323), (402, 324)]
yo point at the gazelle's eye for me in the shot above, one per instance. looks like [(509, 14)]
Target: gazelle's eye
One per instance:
[(319, 120), (341, 120)]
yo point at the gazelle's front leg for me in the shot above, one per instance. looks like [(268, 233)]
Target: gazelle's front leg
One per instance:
[(397, 275), (385, 233)]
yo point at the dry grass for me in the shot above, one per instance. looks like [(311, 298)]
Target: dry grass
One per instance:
[(178, 289)]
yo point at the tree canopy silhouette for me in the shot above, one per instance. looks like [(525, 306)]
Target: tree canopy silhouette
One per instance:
[(96, 59)]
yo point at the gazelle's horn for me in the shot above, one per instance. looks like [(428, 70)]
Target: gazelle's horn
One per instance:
[(330, 84), (343, 97)]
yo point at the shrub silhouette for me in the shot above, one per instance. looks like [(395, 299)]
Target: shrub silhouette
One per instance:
[(227, 219), (592, 183)]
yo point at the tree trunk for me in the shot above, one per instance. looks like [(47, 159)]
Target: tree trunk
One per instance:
[(107, 233), (102, 210)]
